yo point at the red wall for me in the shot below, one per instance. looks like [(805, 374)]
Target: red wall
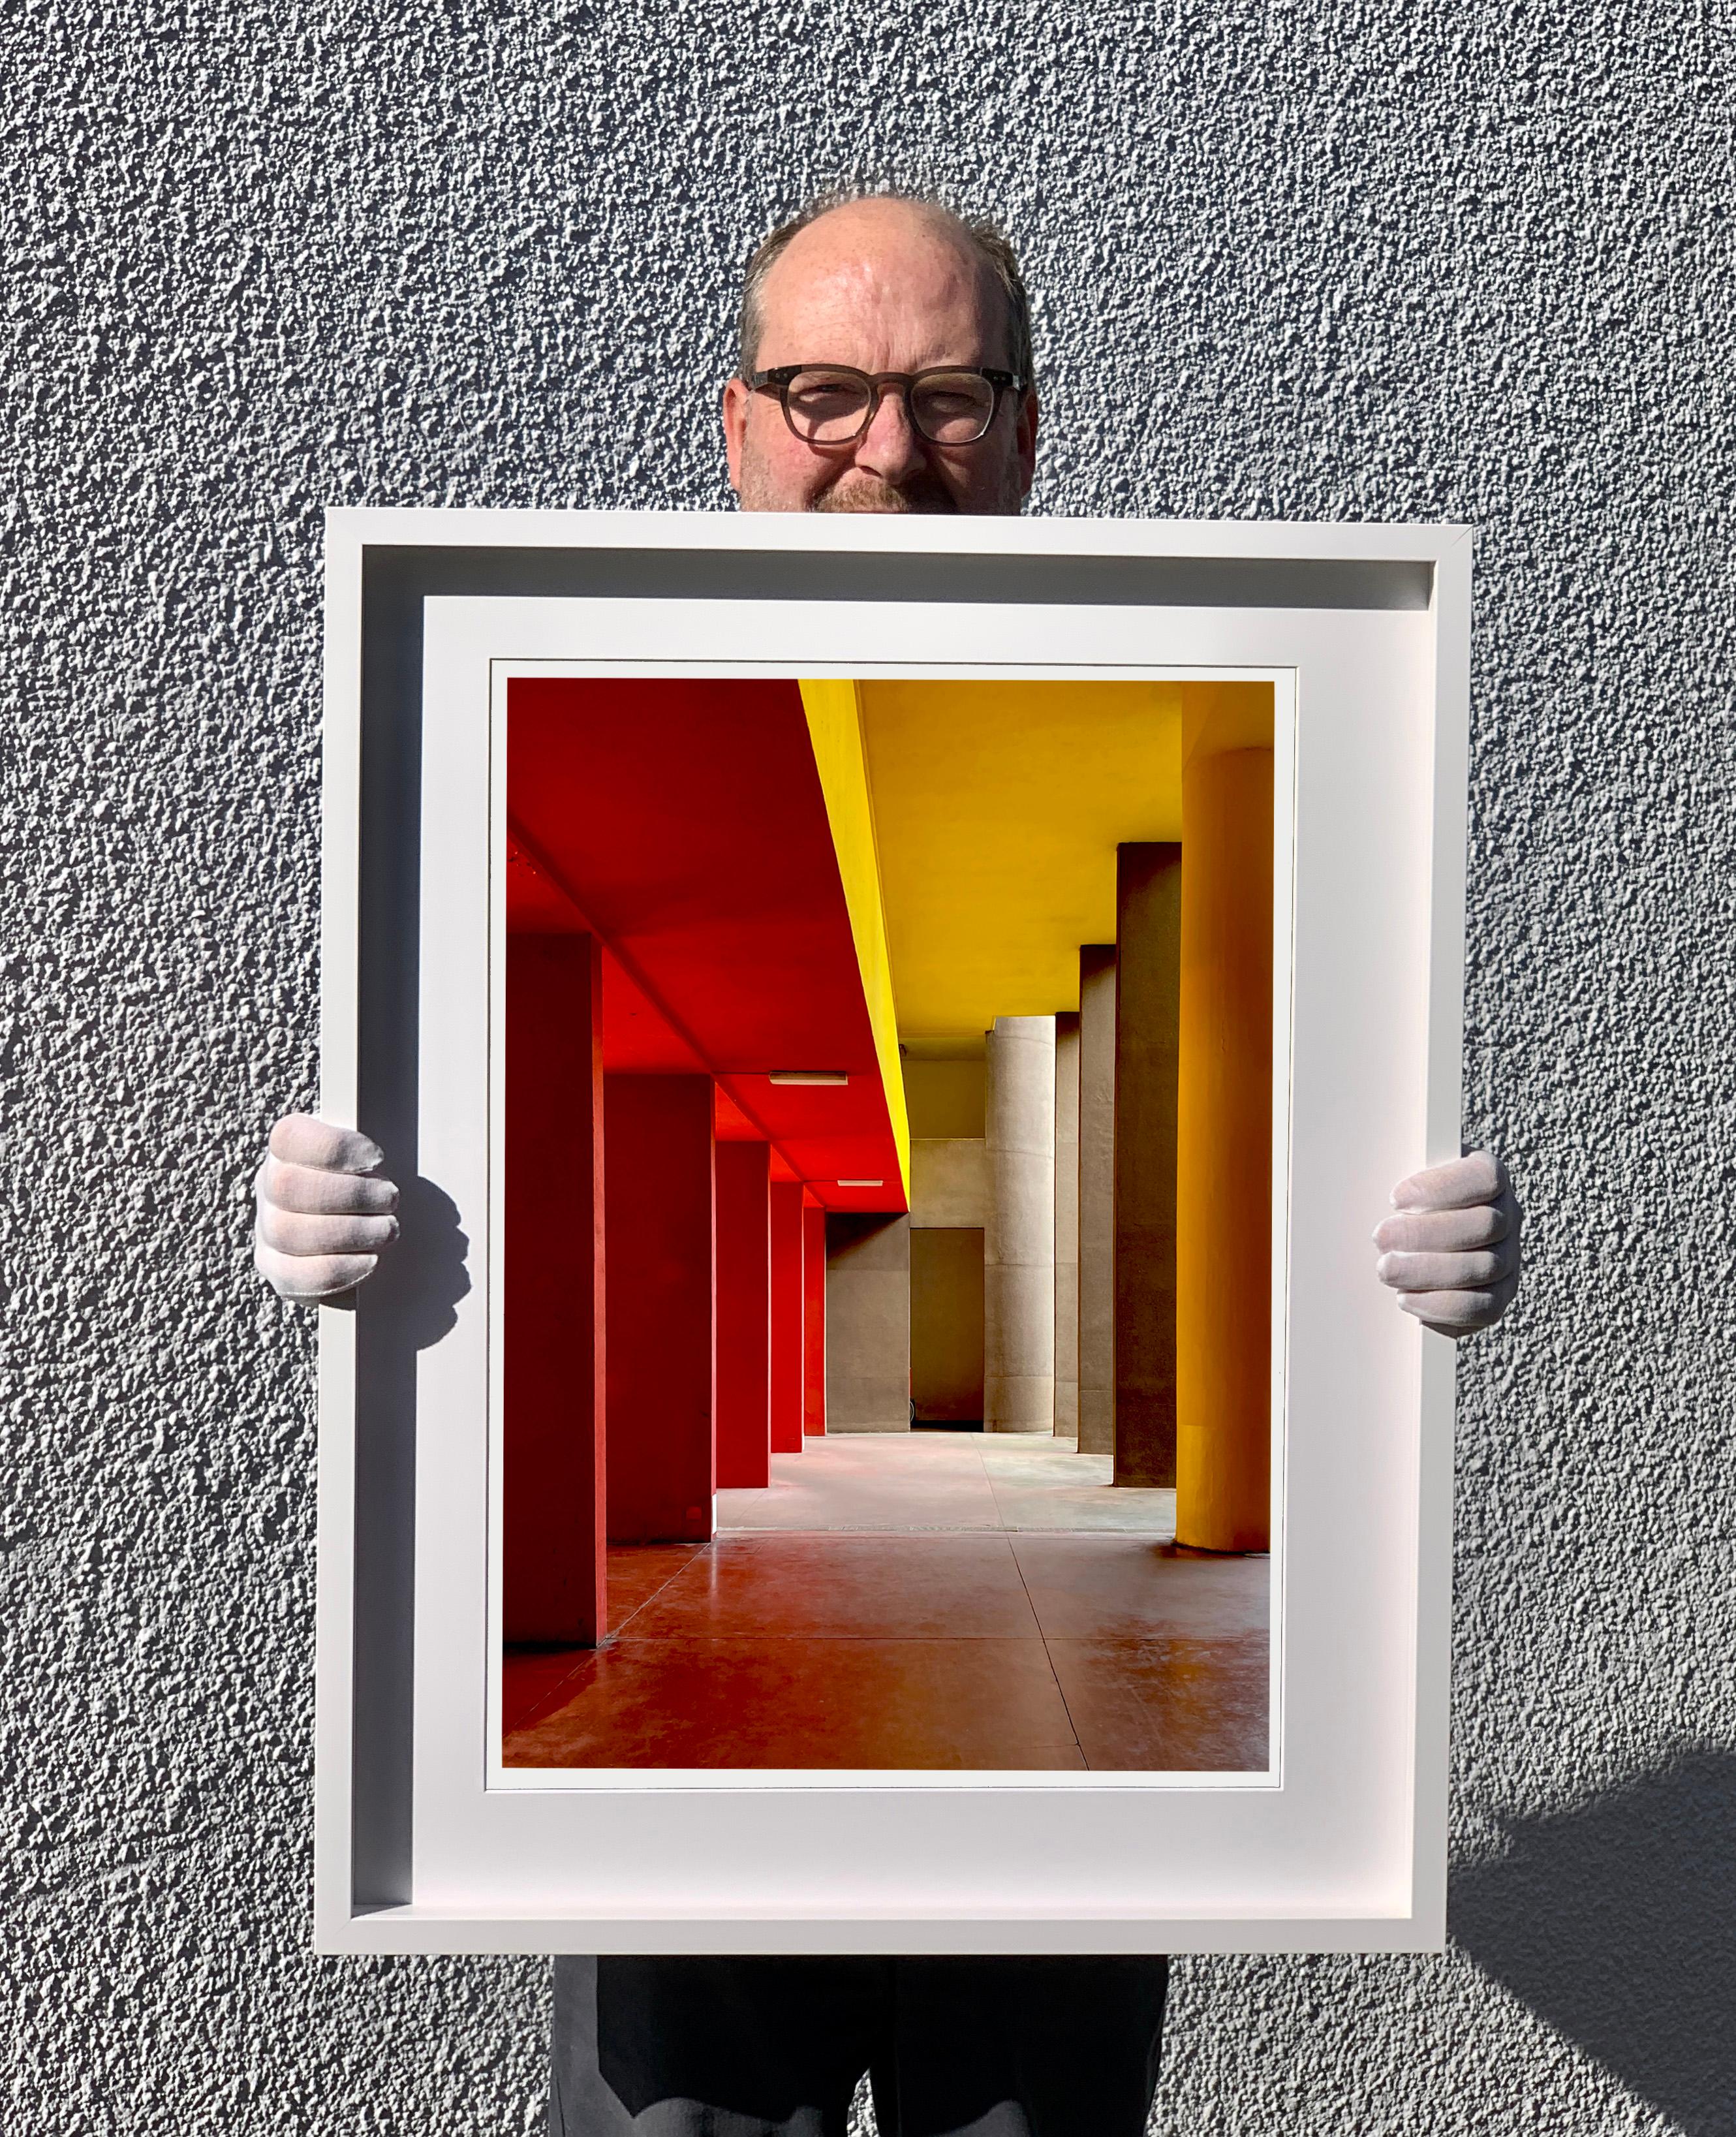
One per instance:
[(662, 1467), (814, 1318), (744, 1313), (553, 1481), (788, 1285)]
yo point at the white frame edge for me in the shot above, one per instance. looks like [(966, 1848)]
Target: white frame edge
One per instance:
[(340, 1924), (1444, 1128), (340, 927)]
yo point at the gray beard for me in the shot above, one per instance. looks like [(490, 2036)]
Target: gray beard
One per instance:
[(868, 493)]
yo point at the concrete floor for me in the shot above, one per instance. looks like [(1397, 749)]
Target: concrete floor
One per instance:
[(910, 1481), (911, 1601)]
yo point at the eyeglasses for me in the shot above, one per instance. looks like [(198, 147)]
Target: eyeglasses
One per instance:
[(830, 404)]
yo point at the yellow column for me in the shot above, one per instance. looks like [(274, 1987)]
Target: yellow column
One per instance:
[(1224, 1172)]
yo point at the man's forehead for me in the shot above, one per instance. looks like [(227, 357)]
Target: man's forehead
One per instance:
[(873, 263)]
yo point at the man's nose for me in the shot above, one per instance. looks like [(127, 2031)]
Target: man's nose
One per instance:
[(892, 445)]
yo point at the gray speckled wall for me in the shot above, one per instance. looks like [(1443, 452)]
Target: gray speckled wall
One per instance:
[(1364, 260)]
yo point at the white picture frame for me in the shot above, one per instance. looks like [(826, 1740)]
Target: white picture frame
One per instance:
[(422, 1842)]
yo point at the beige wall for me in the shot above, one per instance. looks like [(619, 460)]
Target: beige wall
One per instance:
[(945, 1098), (946, 1325), (949, 1184), (867, 1324)]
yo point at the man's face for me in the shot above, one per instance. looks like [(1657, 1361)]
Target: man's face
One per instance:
[(880, 285)]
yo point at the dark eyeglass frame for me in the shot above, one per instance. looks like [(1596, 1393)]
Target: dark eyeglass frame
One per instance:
[(779, 379)]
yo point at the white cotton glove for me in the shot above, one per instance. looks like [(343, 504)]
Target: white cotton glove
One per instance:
[(1450, 1249), (322, 1216)]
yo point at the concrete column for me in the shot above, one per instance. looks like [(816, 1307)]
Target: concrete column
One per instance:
[(1019, 1237), (787, 1365), (1148, 1032), (744, 1313), (868, 1323), (661, 1374), (1066, 1225), (553, 1474), (1223, 1184), (813, 1320), (1096, 1198)]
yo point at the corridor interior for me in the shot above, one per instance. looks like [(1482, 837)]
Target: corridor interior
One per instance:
[(918, 1599), (922, 1599), (886, 1380)]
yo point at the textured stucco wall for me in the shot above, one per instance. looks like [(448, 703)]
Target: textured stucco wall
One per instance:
[(1432, 259)]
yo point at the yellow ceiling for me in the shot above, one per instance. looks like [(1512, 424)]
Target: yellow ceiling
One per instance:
[(997, 807)]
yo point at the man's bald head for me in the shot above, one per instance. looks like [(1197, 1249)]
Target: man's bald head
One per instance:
[(882, 284), (867, 215)]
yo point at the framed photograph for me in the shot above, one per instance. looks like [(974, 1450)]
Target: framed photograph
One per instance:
[(880, 1432)]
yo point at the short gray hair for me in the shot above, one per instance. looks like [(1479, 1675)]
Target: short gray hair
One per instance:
[(987, 239)]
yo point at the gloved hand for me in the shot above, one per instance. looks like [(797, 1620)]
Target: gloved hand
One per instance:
[(1450, 1249), (323, 1216)]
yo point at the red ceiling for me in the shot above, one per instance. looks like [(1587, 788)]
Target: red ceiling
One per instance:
[(683, 821)]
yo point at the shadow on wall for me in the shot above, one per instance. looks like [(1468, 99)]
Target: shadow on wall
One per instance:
[(1616, 1924), (407, 1306), (424, 1275)]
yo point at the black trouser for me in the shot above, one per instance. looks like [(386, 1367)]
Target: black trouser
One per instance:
[(774, 2047)]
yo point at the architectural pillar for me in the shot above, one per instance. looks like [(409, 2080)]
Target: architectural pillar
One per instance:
[(659, 1238), (868, 1323), (553, 1472), (813, 1320), (787, 1286), (744, 1313), (1066, 1225), (1148, 1021), (1018, 1236), (1223, 1182), (1096, 1198)]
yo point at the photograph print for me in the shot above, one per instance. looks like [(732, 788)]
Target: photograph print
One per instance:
[(887, 1277)]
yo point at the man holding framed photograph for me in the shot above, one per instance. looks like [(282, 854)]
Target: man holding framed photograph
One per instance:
[(885, 367)]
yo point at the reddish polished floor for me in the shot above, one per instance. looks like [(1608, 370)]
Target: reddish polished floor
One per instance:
[(1013, 1651)]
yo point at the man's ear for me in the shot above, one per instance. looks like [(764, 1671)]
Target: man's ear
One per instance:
[(1025, 446), (736, 398)]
